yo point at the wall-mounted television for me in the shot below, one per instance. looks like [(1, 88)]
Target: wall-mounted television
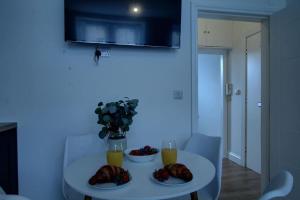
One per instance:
[(154, 23)]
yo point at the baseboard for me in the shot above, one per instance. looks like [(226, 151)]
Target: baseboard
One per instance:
[(235, 158)]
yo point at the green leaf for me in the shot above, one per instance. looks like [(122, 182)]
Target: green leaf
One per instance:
[(103, 133), (105, 109), (133, 102), (98, 110), (125, 129), (106, 118), (126, 109), (100, 104), (125, 121), (130, 121), (112, 109), (133, 112)]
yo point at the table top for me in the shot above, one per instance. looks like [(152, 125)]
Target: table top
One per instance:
[(141, 187)]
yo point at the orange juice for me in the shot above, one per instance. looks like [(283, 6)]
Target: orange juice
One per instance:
[(114, 158), (169, 156)]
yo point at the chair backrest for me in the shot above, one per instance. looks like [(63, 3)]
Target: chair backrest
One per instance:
[(76, 147), (81, 145), (210, 148), (3, 196), (280, 186), (14, 197), (1, 191)]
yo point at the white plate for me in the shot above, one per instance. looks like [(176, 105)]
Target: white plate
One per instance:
[(170, 182), (140, 159), (110, 186)]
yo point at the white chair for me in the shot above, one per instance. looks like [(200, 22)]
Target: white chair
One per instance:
[(4, 196), (210, 148), (1, 191), (12, 197), (75, 148), (280, 186)]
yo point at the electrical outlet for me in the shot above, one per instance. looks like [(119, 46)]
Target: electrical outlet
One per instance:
[(105, 52), (178, 94)]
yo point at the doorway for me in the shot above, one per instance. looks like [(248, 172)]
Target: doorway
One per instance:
[(229, 87), (222, 91)]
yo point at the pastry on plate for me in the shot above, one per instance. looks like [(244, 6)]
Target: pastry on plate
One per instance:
[(110, 174), (176, 170)]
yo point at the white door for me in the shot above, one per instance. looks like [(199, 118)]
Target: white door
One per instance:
[(211, 99), (253, 103)]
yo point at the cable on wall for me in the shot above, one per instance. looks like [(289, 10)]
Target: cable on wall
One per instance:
[(97, 55)]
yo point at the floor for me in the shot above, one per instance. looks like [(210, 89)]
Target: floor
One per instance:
[(239, 183)]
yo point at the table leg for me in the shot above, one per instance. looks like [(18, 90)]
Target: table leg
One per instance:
[(87, 198), (194, 196)]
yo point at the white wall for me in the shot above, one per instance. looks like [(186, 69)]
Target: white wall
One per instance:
[(285, 93), (248, 6), (210, 98), (237, 76), (51, 89)]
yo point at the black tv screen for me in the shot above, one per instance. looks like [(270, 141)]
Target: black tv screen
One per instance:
[(124, 22)]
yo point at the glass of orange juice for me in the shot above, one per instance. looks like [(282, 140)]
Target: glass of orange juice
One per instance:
[(169, 152), (114, 155)]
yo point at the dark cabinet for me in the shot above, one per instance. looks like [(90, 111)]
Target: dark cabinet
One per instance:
[(8, 159)]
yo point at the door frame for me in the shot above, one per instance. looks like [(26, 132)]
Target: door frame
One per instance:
[(246, 97), (196, 8), (224, 80)]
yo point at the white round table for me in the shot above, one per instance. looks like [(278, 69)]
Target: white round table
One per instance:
[(141, 187)]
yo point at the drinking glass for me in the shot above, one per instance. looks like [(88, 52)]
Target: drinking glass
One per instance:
[(114, 154), (169, 152)]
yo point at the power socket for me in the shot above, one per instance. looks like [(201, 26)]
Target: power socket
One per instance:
[(178, 94), (105, 53)]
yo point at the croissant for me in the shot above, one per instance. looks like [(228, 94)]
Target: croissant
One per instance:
[(179, 171), (110, 174)]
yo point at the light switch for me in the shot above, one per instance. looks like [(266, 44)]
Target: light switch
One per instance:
[(177, 94), (237, 92)]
